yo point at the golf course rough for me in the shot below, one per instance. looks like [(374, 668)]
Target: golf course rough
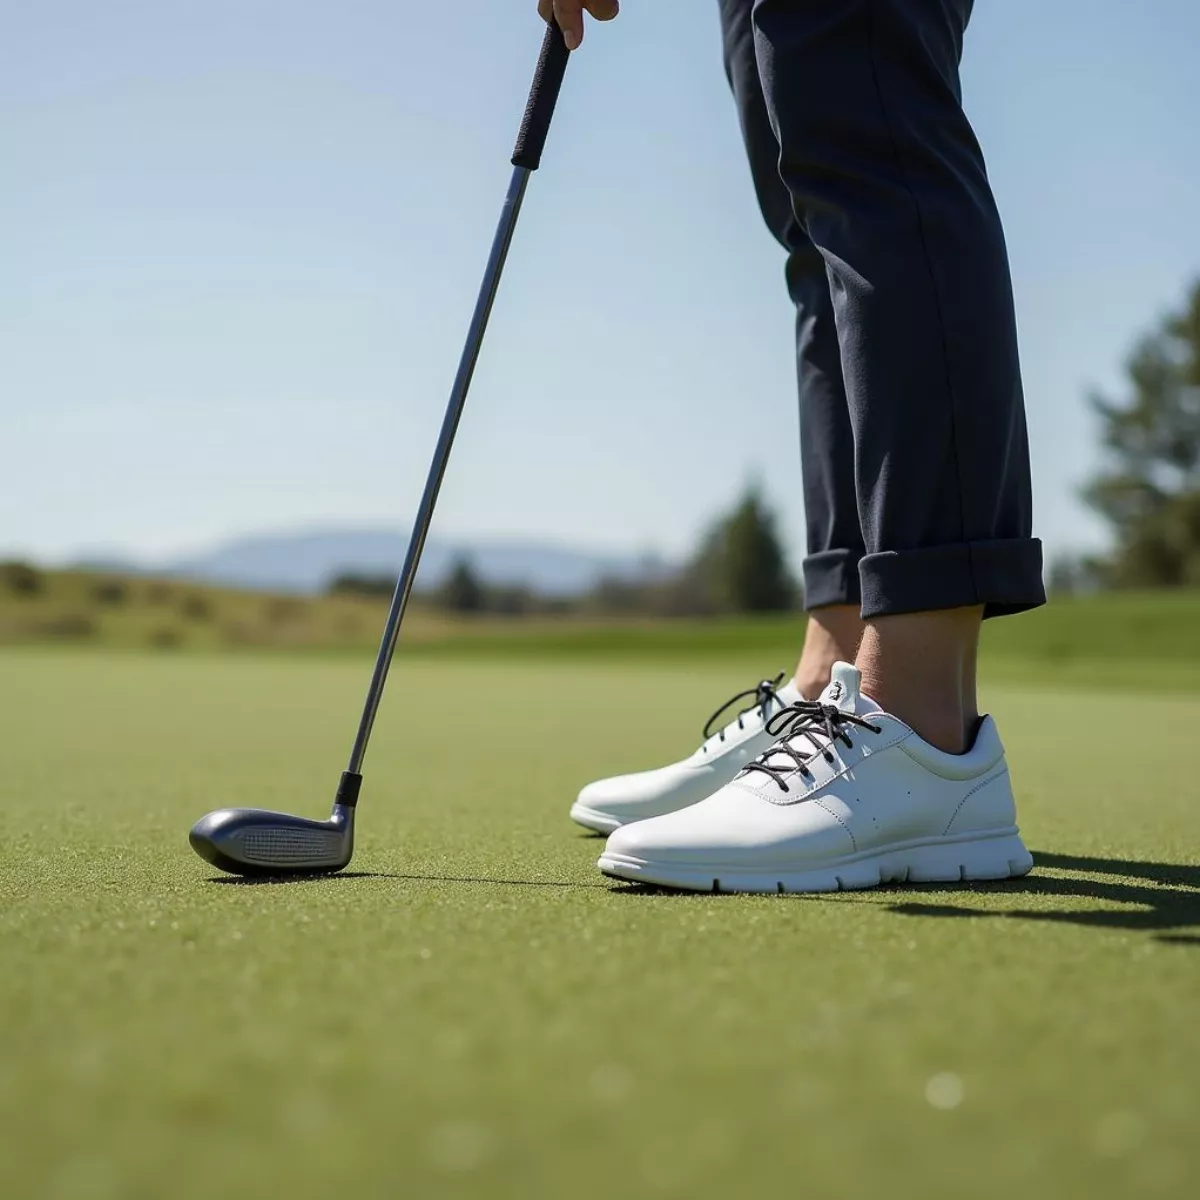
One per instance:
[(472, 1010)]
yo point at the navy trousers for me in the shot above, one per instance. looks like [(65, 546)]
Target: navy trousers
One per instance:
[(914, 446)]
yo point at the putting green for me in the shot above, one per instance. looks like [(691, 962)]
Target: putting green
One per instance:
[(474, 1011)]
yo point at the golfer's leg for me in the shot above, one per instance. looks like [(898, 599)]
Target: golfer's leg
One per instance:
[(835, 545), (888, 179)]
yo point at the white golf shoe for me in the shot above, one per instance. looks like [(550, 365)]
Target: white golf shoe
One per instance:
[(608, 804), (849, 797)]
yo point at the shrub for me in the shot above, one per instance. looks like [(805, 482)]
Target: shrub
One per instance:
[(196, 607), (68, 627), (22, 579), (282, 609), (111, 592), (166, 637), (351, 584)]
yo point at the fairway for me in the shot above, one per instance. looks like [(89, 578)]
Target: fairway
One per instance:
[(473, 1010)]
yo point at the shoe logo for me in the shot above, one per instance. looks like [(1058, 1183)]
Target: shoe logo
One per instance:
[(835, 691)]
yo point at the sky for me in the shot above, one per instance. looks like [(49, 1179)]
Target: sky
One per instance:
[(241, 239)]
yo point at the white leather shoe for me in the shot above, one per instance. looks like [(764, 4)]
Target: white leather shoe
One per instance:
[(608, 804), (850, 797)]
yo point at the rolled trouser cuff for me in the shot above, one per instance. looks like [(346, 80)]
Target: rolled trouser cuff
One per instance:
[(1004, 575), (831, 577)]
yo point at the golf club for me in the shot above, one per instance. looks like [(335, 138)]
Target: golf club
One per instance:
[(249, 841)]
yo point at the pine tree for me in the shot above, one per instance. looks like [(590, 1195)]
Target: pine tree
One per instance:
[(462, 592), (741, 565), (1149, 490)]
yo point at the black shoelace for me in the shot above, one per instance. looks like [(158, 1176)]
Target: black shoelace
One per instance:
[(814, 721), (764, 693)]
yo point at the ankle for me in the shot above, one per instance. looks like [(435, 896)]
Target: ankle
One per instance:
[(920, 667), (813, 675), (939, 718), (811, 684), (833, 635)]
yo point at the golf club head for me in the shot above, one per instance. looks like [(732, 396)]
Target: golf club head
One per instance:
[(254, 841)]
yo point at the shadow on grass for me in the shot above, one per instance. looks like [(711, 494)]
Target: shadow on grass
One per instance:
[(281, 880), (276, 880), (1168, 902)]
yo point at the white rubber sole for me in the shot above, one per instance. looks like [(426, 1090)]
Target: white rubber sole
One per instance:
[(1001, 855), (593, 818)]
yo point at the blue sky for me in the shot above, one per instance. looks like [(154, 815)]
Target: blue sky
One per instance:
[(241, 240)]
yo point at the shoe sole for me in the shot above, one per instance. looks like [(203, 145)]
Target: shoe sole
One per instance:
[(594, 819), (1001, 855)]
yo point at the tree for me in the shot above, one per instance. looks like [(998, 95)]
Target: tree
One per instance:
[(112, 592), (1149, 490), (741, 565), (21, 579), (462, 592), (350, 583)]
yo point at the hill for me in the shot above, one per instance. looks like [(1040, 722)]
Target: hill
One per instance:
[(305, 561), (1147, 640)]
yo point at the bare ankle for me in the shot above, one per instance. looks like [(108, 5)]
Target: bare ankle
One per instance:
[(920, 667), (833, 635)]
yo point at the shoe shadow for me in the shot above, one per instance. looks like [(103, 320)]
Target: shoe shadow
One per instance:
[(1169, 901)]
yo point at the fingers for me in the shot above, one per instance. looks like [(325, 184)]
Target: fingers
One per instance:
[(604, 10), (569, 14)]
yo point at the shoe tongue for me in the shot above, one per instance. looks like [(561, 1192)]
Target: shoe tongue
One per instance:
[(842, 693), (843, 689)]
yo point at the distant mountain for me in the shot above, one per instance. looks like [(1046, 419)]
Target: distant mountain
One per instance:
[(308, 561)]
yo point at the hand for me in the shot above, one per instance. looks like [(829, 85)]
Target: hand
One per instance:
[(569, 14)]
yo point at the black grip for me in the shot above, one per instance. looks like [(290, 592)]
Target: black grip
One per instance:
[(547, 82)]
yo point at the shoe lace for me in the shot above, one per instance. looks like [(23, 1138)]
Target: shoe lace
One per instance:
[(763, 694), (806, 720)]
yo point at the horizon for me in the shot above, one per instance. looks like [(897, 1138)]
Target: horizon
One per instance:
[(328, 527), (308, 560)]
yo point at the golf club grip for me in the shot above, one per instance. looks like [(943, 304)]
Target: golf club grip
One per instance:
[(547, 82)]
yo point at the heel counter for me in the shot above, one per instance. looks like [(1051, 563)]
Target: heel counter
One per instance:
[(988, 805)]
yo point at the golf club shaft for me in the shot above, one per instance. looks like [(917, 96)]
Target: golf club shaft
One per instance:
[(437, 470), (526, 159)]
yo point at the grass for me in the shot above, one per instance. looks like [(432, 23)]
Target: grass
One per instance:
[(474, 1011)]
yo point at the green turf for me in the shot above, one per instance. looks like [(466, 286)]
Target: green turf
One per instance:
[(476, 1012)]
